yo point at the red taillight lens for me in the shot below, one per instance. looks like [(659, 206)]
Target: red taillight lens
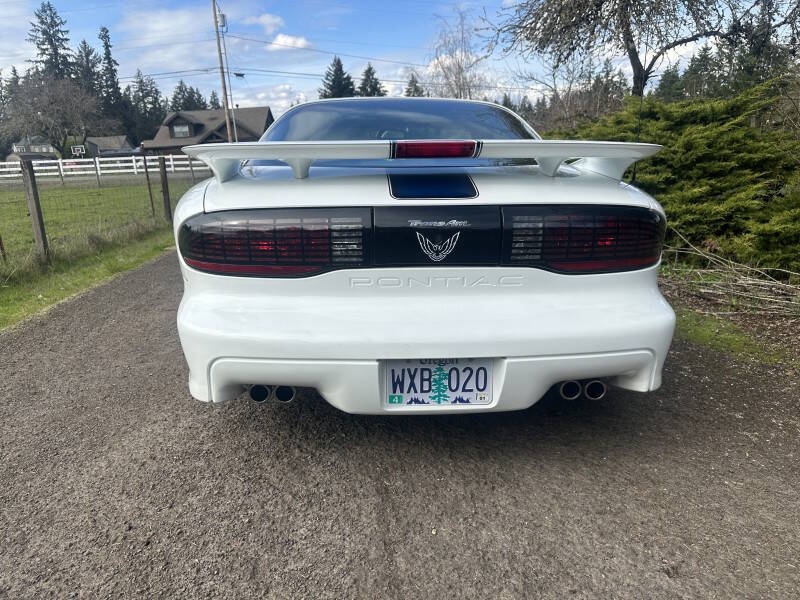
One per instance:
[(570, 239), (276, 242), (435, 149), (582, 239)]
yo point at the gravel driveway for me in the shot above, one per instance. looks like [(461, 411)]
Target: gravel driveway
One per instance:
[(114, 482)]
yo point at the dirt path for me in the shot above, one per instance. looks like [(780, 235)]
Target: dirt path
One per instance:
[(113, 481)]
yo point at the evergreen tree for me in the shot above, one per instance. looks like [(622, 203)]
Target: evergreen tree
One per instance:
[(670, 86), (370, 85), (525, 109), (606, 92), (87, 72), (213, 101), (147, 107), (702, 78), (439, 386), (187, 98), (413, 89), (12, 84), (196, 101), (53, 56), (180, 97), (110, 94), (6, 139), (508, 102), (337, 83)]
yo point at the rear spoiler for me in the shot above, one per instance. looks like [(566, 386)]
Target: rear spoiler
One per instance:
[(607, 158)]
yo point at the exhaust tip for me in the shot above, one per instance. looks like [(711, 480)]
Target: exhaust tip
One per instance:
[(259, 393), (285, 393), (570, 390), (595, 390)]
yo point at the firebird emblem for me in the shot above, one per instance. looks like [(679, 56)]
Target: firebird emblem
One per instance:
[(437, 252)]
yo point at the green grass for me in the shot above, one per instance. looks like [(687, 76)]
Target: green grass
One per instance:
[(725, 336), (40, 289), (79, 221)]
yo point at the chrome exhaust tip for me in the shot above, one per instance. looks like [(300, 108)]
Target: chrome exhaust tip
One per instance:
[(570, 390), (259, 393), (595, 389), (285, 393)]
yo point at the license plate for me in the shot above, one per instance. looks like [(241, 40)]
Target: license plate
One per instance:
[(438, 381)]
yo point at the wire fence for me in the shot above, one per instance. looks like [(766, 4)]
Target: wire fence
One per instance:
[(83, 213)]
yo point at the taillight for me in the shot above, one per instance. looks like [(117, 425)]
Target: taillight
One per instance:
[(434, 149), (300, 242), (582, 239), (277, 242)]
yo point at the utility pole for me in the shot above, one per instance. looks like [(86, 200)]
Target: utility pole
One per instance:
[(222, 73), (230, 87)]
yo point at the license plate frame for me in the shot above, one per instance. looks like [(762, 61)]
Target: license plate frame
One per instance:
[(437, 383)]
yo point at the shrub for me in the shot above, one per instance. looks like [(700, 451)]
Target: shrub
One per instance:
[(727, 176)]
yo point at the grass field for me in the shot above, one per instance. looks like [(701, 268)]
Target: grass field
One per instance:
[(37, 290), (93, 233), (79, 221)]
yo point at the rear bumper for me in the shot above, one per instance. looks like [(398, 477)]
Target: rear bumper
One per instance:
[(331, 332)]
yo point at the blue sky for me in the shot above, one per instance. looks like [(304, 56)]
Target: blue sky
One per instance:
[(296, 39), (161, 37)]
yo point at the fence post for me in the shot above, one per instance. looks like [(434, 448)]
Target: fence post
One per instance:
[(61, 170), (35, 209), (162, 169), (191, 170), (171, 164), (97, 169), (149, 189), (135, 170)]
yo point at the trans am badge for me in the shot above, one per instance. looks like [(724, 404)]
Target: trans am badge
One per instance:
[(437, 252)]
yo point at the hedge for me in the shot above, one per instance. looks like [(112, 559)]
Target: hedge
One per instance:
[(727, 177)]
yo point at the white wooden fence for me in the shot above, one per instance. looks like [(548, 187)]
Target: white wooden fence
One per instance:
[(101, 167)]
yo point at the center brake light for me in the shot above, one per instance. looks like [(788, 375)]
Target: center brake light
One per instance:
[(434, 149)]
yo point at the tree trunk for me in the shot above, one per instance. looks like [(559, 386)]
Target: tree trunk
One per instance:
[(639, 81)]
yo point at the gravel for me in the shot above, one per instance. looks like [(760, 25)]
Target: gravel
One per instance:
[(114, 482)]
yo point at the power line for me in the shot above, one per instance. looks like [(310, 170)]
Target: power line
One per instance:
[(304, 75), (179, 72), (368, 58), (118, 48), (424, 83)]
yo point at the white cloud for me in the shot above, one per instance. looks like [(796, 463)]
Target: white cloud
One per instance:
[(278, 97), (159, 26), (14, 49), (270, 23), (283, 41)]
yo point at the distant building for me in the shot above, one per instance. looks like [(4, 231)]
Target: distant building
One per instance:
[(188, 127), (33, 147), (109, 145)]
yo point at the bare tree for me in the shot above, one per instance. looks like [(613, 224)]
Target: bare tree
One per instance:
[(558, 82), (644, 30), (578, 88), (57, 109), (456, 70)]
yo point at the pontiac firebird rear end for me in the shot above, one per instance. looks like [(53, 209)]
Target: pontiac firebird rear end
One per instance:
[(415, 276)]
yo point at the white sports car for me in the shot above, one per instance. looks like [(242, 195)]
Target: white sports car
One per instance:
[(417, 256)]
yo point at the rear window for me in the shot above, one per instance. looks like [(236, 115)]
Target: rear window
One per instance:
[(397, 119)]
